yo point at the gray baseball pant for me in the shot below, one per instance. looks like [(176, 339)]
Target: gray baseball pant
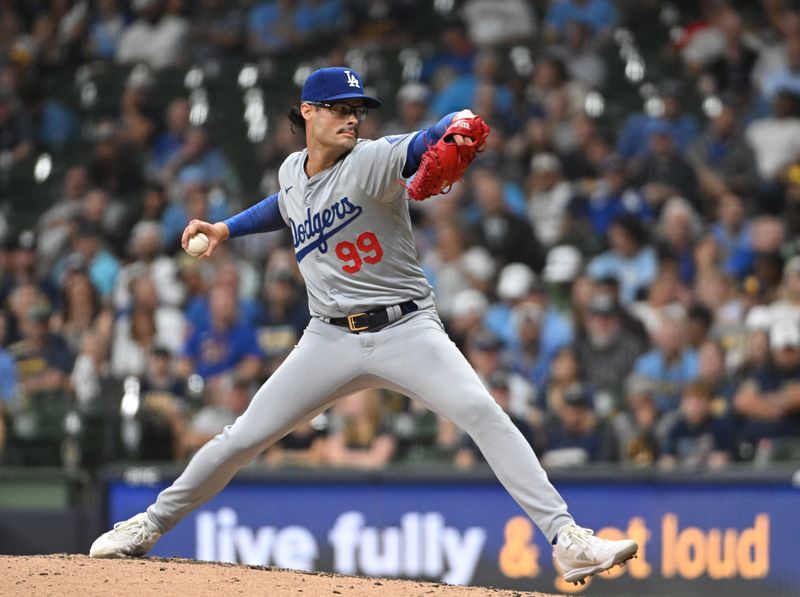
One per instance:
[(413, 356)]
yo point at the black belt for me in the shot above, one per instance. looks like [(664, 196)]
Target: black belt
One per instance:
[(370, 321)]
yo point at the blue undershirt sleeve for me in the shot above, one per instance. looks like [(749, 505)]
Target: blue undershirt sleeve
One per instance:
[(422, 141), (264, 216)]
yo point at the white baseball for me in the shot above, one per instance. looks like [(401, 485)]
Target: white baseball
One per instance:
[(197, 245)]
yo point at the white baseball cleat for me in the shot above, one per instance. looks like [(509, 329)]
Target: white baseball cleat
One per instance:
[(133, 537), (578, 553)]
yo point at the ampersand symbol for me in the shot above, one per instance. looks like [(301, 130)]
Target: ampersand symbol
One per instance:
[(519, 556)]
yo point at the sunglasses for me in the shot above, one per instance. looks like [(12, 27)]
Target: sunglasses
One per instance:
[(343, 110)]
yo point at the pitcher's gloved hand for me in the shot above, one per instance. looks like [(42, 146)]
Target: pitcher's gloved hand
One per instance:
[(445, 162)]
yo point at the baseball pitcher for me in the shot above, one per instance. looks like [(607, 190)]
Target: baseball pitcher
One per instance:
[(374, 323)]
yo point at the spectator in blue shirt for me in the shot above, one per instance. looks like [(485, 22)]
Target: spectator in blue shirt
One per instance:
[(599, 15), (683, 128), (8, 370), (170, 141), (787, 77), (53, 123), (611, 197), (454, 58), (90, 252), (226, 346), (317, 16), (8, 383), (271, 26), (732, 233), (518, 284), (462, 91), (198, 309), (196, 202), (279, 24), (105, 30), (679, 228), (671, 365), (630, 260), (527, 357), (198, 161)]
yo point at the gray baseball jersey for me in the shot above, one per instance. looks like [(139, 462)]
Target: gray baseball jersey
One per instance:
[(352, 231), (353, 240)]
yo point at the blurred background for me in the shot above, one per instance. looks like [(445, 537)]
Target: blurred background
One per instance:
[(621, 266)]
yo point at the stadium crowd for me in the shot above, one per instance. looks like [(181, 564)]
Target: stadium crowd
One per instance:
[(628, 290)]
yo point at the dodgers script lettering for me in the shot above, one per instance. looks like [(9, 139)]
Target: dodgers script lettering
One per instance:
[(321, 226)]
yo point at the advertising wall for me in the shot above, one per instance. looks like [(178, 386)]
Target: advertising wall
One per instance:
[(723, 538)]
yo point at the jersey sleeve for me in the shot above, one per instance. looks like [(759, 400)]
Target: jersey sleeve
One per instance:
[(264, 216), (380, 166)]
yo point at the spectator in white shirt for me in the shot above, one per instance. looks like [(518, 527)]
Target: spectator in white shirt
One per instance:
[(155, 38), (148, 325), (548, 199), (776, 139), (497, 22), (146, 248)]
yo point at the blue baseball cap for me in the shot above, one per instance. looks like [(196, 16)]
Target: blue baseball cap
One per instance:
[(336, 83)]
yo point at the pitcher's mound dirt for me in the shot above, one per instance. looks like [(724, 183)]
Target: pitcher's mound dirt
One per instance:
[(66, 575)]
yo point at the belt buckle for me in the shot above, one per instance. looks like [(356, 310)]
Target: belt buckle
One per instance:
[(353, 326)]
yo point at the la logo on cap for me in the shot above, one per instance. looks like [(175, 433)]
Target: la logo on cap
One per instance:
[(351, 79)]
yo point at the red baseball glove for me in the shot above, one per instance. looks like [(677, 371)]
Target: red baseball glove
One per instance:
[(445, 162)]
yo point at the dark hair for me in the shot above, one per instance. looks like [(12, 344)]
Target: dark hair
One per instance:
[(700, 312), (296, 118), (154, 185), (558, 65), (791, 98), (67, 299), (160, 351), (700, 388), (633, 227), (608, 281)]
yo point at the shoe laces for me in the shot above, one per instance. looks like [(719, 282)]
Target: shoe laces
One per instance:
[(136, 529), (580, 536)]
